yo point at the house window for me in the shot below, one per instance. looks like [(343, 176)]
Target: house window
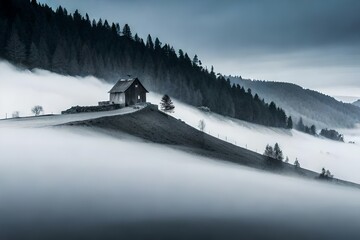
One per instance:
[(138, 97), (136, 85)]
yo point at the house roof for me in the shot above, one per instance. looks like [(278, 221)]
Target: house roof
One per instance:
[(123, 84)]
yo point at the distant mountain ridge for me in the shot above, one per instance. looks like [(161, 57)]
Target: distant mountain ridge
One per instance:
[(314, 107), (356, 103)]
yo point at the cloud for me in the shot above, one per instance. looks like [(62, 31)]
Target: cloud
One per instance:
[(314, 153)]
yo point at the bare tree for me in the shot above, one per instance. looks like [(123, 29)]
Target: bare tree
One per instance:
[(37, 110), (202, 125), (16, 114)]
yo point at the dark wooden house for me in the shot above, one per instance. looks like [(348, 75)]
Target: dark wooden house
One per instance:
[(127, 92)]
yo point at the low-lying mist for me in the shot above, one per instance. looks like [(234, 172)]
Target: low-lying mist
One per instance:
[(20, 90), (313, 153), (52, 178)]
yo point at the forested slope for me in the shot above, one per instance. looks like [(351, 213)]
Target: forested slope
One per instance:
[(36, 36)]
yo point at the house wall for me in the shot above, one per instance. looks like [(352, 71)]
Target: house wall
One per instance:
[(117, 98), (136, 93)]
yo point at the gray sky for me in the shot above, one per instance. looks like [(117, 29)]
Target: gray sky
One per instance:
[(314, 43)]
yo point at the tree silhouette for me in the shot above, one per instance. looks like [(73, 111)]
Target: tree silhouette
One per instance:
[(289, 123), (297, 163), (149, 42), (34, 56), (126, 31), (15, 48), (300, 125), (269, 152), (278, 153), (313, 130), (202, 125), (59, 60), (37, 110), (167, 104)]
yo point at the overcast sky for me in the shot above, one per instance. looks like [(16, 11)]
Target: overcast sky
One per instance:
[(314, 43)]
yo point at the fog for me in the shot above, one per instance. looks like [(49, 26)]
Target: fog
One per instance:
[(20, 90), (52, 178), (313, 153)]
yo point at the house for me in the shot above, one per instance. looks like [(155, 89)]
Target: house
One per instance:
[(128, 92)]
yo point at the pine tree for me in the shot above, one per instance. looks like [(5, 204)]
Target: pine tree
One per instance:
[(195, 60), (16, 51), (167, 104), (289, 123), (43, 54), (269, 152), (86, 61), (297, 163), (59, 63), (323, 172), (34, 56), (181, 54), (157, 44), (136, 38), (73, 65), (300, 126), (149, 42), (127, 31), (328, 174), (313, 130), (3, 30), (278, 153)]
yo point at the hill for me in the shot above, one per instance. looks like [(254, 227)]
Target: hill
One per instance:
[(21, 90), (155, 126), (106, 184), (314, 107), (34, 36), (356, 103)]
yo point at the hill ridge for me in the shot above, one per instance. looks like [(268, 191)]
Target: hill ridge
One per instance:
[(155, 126), (314, 107)]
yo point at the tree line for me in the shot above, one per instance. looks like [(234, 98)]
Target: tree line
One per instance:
[(327, 133), (35, 36)]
